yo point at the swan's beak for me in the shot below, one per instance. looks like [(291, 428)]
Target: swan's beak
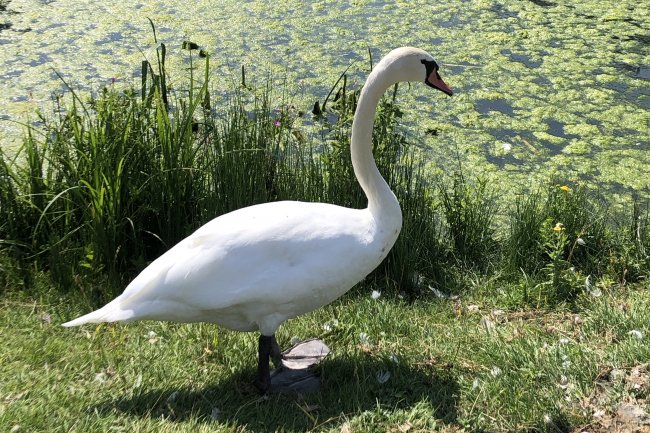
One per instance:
[(434, 80)]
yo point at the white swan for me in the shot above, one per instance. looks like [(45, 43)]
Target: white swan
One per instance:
[(256, 267)]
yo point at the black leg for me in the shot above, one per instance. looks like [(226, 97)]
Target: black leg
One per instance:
[(263, 381)]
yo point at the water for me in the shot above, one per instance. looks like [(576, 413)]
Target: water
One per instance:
[(540, 87)]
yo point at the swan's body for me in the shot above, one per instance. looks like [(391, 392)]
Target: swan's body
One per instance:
[(256, 267)]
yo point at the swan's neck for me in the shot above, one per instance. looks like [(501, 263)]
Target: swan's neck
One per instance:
[(382, 203)]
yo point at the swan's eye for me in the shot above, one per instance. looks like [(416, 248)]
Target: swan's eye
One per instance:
[(433, 78), (431, 66)]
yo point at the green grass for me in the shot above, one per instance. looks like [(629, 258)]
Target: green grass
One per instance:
[(469, 364)]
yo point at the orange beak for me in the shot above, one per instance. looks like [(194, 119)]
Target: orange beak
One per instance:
[(436, 82)]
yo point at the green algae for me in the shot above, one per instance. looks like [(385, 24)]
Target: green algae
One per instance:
[(542, 89)]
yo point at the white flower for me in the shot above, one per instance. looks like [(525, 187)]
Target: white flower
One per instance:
[(581, 242), (636, 334), (328, 326), (393, 358), (383, 376), (100, 377), (153, 337), (507, 147), (593, 291), (363, 338), (475, 384), (564, 341), (496, 371), (375, 294)]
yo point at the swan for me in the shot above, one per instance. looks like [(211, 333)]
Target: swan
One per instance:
[(256, 267)]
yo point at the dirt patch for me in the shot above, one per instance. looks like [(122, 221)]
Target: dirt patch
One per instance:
[(619, 403)]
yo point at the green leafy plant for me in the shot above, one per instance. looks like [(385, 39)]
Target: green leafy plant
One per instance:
[(562, 280), (469, 210)]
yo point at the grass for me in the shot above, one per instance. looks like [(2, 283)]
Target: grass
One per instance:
[(536, 302), (454, 365), (469, 211)]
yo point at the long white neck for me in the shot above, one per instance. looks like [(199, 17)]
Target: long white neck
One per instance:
[(382, 203)]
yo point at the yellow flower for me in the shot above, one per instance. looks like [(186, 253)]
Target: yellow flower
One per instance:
[(565, 188), (558, 227)]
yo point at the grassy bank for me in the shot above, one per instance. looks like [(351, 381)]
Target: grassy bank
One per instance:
[(434, 365), (529, 315)]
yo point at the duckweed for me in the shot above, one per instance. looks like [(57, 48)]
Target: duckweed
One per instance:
[(515, 68)]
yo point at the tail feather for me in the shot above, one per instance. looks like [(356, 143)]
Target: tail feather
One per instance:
[(110, 312)]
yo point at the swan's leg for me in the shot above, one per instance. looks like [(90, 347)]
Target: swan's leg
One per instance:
[(276, 353), (263, 380)]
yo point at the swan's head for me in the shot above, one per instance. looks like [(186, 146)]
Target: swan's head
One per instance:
[(414, 64)]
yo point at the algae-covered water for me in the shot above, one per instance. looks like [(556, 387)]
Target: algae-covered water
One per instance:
[(542, 87)]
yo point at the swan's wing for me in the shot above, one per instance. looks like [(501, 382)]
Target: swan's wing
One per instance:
[(285, 256)]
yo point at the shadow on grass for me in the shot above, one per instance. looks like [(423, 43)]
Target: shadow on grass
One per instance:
[(349, 388)]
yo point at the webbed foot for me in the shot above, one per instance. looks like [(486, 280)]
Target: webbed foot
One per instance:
[(293, 367)]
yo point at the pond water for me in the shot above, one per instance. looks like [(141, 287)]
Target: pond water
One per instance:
[(542, 87)]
